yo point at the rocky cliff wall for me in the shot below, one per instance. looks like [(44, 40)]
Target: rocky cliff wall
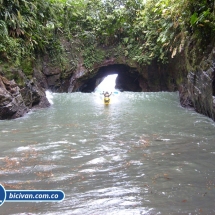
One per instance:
[(194, 79), (199, 87), (15, 100)]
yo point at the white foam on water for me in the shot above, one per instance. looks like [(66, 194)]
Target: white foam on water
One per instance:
[(49, 96)]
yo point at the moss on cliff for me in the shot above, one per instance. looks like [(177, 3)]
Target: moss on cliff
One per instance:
[(12, 73), (93, 55)]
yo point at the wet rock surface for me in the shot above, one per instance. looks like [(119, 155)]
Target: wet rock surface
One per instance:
[(34, 96), (184, 96), (11, 101), (200, 85), (16, 101), (198, 88)]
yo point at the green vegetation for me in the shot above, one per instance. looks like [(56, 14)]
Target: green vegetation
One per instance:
[(141, 30), (92, 56)]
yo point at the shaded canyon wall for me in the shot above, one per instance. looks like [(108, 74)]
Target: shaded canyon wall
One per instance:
[(195, 83)]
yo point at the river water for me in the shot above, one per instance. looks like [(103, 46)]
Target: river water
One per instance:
[(142, 154)]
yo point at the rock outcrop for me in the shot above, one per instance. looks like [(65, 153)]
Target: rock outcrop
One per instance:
[(201, 88), (33, 95), (12, 104), (16, 101)]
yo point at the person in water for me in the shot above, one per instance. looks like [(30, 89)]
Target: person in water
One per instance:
[(106, 96)]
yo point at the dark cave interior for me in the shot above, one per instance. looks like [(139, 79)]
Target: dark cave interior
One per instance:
[(127, 79)]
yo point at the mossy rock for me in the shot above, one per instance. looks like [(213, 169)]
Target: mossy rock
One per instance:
[(12, 74), (27, 67)]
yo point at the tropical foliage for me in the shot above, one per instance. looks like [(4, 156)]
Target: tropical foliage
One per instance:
[(142, 30)]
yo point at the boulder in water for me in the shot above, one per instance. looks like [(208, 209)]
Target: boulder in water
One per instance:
[(11, 101), (15, 102)]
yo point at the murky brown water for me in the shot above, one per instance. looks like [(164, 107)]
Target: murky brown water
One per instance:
[(142, 154)]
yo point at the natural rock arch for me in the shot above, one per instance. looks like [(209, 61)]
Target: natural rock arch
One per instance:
[(133, 78), (128, 78)]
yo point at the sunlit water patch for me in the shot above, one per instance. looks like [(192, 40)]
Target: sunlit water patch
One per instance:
[(142, 154)]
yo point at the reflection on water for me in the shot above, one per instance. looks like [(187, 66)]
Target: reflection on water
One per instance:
[(142, 154)]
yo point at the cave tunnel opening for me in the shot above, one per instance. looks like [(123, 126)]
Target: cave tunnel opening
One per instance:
[(127, 79)]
